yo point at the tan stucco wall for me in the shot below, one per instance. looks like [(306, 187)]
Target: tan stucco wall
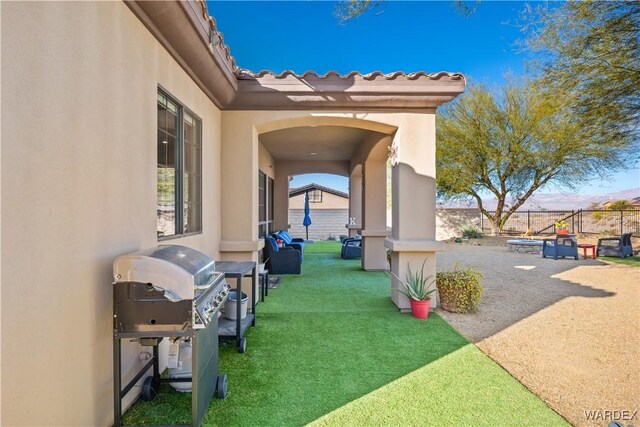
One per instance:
[(329, 201), (79, 84), (265, 162)]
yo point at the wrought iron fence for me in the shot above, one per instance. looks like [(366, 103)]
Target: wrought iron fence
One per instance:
[(610, 222)]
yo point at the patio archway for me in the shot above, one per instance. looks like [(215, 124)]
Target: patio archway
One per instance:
[(337, 145)]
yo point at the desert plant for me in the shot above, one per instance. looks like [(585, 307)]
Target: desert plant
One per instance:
[(609, 232), (619, 205), (460, 289), (561, 224), (417, 286), (471, 231)]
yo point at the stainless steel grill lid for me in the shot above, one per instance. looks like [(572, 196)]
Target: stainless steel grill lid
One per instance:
[(178, 270)]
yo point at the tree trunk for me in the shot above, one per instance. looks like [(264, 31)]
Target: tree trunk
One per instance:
[(495, 228)]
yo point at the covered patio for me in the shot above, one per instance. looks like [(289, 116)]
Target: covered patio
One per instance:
[(331, 349), (285, 124)]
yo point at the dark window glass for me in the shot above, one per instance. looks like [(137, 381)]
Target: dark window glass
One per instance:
[(270, 208), (179, 164), (262, 196)]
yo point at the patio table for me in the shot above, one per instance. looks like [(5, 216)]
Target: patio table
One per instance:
[(235, 329), (584, 247)]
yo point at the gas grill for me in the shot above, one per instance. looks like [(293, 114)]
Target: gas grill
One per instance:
[(173, 292)]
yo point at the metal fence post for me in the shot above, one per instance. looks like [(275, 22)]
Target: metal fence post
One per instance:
[(580, 221)]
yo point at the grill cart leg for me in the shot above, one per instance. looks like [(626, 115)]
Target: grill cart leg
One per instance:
[(117, 402), (151, 384)]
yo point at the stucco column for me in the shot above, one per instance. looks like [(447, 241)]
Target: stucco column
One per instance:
[(355, 202), (413, 203), (239, 202), (374, 215), (281, 199)]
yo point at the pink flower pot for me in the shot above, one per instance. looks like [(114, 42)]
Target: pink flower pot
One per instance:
[(420, 309)]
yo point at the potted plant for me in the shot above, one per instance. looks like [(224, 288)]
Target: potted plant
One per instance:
[(459, 290), (418, 289), (562, 226)]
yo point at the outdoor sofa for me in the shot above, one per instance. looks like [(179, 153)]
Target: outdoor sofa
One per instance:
[(284, 260), (615, 246), (561, 246), (351, 248), (289, 241)]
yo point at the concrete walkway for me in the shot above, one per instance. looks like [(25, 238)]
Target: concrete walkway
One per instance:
[(568, 330)]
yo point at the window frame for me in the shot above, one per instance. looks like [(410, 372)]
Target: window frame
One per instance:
[(180, 173), (317, 195), (265, 227)]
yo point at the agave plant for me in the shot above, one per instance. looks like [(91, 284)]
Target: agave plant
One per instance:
[(417, 286)]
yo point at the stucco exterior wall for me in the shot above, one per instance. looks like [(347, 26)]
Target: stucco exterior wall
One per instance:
[(329, 201), (450, 221), (325, 223), (266, 163), (79, 85)]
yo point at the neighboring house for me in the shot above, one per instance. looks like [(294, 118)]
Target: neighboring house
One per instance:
[(329, 211), (128, 124), (634, 203)]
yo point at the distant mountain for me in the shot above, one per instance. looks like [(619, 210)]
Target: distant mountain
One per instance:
[(566, 201)]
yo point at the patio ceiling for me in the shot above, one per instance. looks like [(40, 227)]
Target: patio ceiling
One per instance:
[(330, 143)]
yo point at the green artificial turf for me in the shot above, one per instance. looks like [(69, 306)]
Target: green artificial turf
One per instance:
[(329, 347), (632, 261)]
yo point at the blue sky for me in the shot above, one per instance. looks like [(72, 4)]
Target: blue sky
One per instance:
[(397, 36)]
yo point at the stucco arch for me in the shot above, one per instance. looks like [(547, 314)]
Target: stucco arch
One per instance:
[(313, 120), (292, 168)]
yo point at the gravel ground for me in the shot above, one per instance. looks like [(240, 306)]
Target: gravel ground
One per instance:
[(568, 330)]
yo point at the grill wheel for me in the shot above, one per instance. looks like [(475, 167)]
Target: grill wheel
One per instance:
[(221, 389)]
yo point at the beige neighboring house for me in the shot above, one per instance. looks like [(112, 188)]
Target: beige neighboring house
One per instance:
[(128, 124), (329, 212), (635, 203)]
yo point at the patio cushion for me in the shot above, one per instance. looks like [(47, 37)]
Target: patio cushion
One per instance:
[(272, 242), (284, 236)]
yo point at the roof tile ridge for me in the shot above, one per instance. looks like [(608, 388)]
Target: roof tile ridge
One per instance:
[(248, 74), (213, 26)]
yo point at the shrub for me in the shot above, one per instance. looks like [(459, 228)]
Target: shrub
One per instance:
[(331, 237), (471, 231), (460, 290), (607, 232)]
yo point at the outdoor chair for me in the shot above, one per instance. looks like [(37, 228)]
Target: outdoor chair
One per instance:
[(285, 260), (351, 248), (561, 246), (615, 246), (295, 243)]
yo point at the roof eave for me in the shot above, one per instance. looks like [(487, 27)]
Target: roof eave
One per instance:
[(185, 30), (189, 34), (354, 91)]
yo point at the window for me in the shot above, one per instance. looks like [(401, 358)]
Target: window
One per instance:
[(179, 185), (270, 205), (265, 204), (315, 196), (262, 204)]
